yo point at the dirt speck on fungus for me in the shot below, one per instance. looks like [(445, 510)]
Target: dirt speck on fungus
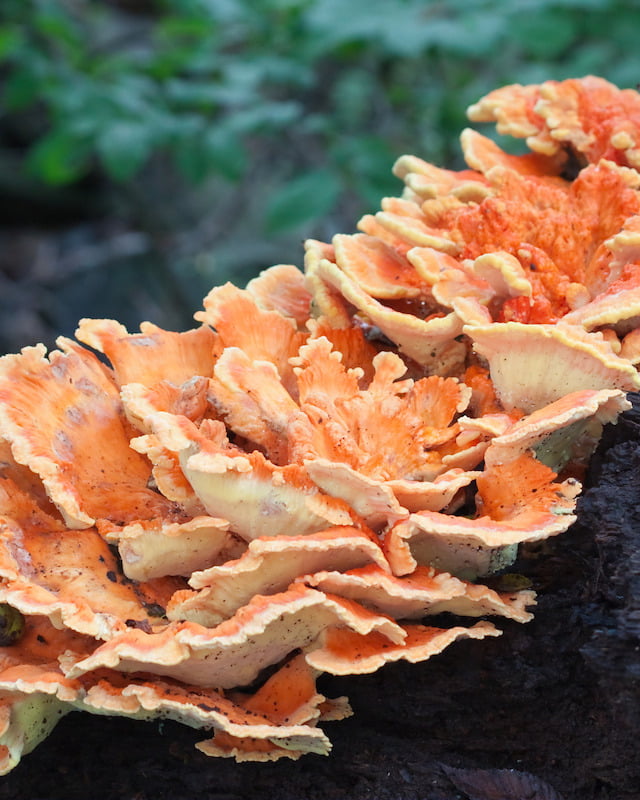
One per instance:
[(551, 708)]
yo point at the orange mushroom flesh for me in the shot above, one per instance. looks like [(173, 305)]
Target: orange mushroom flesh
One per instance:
[(335, 458), (590, 116)]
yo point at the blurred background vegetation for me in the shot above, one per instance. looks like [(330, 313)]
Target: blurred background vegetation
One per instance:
[(150, 149)]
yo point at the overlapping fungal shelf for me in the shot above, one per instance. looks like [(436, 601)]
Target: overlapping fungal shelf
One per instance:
[(316, 479)]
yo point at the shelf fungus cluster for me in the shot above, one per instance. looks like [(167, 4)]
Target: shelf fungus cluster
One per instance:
[(316, 478)]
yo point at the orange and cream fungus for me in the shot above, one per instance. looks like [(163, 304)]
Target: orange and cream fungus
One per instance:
[(317, 478)]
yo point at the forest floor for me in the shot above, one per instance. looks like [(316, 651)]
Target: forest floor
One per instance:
[(548, 711)]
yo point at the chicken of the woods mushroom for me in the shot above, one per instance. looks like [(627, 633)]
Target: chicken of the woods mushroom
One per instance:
[(316, 478)]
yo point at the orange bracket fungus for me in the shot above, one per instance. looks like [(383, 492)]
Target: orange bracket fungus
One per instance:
[(319, 476)]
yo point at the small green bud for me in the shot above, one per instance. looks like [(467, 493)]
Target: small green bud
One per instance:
[(11, 625)]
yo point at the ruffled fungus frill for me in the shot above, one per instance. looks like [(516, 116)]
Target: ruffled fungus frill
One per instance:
[(518, 501), (196, 525), (533, 365), (270, 565), (77, 441), (512, 239), (590, 117)]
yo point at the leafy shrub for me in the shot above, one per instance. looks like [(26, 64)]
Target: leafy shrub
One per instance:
[(339, 88)]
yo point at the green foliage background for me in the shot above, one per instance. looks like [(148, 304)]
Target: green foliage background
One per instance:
[(222, 132)]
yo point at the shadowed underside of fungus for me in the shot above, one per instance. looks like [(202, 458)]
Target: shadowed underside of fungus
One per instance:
[(316, 479)]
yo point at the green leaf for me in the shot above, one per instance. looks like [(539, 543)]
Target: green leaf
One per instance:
[(123, 147), (183, 27), (22, 87), (225, 152), (58, 157), (187, 94), (264, 117), (11, 40), (546, 35), (353, 95), (55, 24), (303, 199), (211, 149), (367, 160)]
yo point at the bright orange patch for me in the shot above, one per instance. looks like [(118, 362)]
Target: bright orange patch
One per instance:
[(506, 490)]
